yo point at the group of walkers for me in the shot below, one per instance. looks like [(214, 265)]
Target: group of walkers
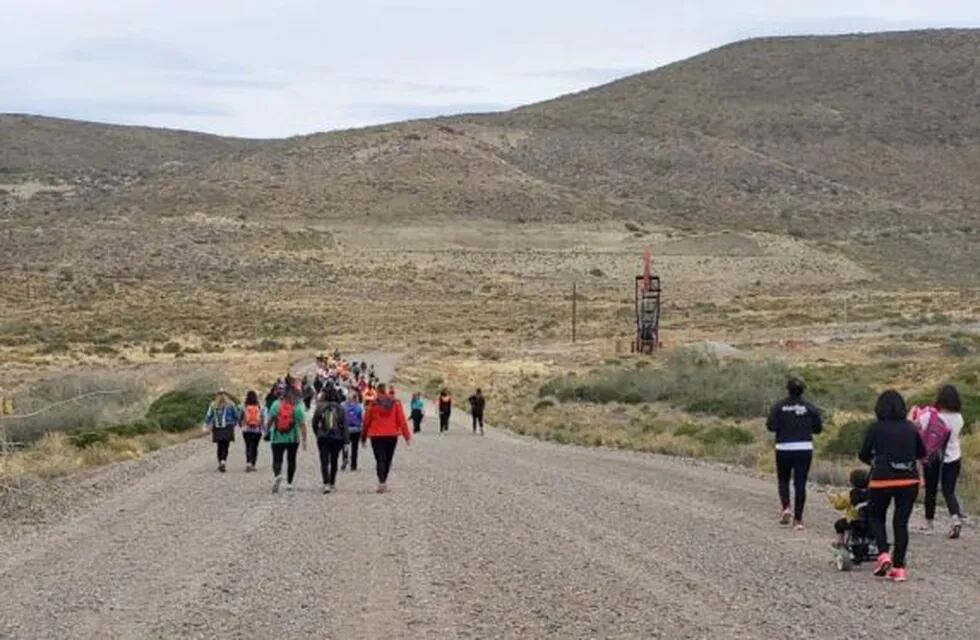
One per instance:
[(477, 403), (903, 450), (345, 405)]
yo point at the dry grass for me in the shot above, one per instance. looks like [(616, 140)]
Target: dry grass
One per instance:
[(55, 455)]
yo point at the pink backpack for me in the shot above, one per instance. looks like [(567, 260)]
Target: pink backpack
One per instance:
[(933, 431)]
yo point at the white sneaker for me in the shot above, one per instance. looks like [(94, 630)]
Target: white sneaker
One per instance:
[(290, 487), (929, 527), (327, 488), (276, 483)]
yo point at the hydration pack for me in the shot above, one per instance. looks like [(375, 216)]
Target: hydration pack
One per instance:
[(933, 431)]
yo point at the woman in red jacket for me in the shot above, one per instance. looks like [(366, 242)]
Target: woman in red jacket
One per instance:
[(384, 422)]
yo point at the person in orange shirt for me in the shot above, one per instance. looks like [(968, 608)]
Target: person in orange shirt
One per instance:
[(383, 423), (370, 395)]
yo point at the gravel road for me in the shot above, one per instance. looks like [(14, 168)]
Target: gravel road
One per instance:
[(479, 537)]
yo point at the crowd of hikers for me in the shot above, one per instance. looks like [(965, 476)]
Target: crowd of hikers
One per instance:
[(905, 449), (342, 404), (345, 405)]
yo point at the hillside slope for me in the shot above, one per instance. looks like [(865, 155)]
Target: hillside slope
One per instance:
[(862, 145)]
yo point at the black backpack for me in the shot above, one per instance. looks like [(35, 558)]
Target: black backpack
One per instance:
[(331, 423)]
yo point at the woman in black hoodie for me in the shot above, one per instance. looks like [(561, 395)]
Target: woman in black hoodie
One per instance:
[(893, 448)]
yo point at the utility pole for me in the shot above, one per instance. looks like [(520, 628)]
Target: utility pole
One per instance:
[(574, 310)]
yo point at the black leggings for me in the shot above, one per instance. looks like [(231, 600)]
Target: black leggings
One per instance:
[(477, 419), (290, 449), (384, 453), (417, 421), (795, 465), (877, 510), (443, 422), (329, 454), (223, 450), (252, 441), (355, 442), (945, 473)]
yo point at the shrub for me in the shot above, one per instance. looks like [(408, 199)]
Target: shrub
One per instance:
[(268, 345), (731, 435), (545, 403), (172, 347), (848, 439), (693, 380), (179, 410)]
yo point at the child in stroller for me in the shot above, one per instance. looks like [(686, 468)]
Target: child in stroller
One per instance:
[(854, 543)]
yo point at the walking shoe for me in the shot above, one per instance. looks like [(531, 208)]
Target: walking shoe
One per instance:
[(276, 483), (381, 487), (221, 467), (786, 517), (290, 487), (929, 527), (798, 525), (955, 528), (883, 564), (898, 574), (327, 488)]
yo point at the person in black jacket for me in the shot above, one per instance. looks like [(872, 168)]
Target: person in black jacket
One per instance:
[(893, 448), (794, 421), (478, 403)]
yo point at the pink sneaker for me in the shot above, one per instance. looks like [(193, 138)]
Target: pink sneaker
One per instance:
[(883, 564), (898, 574), (786, 517), (798, 525)]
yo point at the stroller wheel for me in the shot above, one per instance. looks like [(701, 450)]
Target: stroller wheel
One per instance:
[(843, 560)]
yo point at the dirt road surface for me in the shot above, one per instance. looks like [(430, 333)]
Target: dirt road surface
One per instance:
[(479, 537)]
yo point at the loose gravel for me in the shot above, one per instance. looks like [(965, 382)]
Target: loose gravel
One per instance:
[(479, 537)]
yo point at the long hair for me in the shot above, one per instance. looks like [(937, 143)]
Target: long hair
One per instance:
[(890, 406)]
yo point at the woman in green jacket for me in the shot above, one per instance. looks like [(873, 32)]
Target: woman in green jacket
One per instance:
[(287, 432)]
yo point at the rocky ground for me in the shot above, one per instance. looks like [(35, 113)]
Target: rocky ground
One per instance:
[(496, 536)]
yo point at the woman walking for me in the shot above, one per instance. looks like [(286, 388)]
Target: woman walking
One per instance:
[(892, 447), (417, 409), (794, 422), (222, 418), (445, 410), (287, 432), (354, 418), (330, 427), (384, 422), (252, 423), (945, 469)]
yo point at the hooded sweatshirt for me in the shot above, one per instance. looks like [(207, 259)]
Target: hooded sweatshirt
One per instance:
[(386, 418), (892, 448), (794, 421)]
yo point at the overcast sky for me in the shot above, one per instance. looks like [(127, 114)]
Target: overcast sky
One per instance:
[(265, 68)]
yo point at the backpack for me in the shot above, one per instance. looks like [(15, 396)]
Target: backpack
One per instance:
[(354, 416), (253, 416), (933, 431), (284, 421), (330, 428)]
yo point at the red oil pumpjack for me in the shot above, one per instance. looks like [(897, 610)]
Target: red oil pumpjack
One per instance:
[(647, 310)]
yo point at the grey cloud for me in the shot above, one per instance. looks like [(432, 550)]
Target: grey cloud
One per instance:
[(409, 85), (232, 82), (586, 74), (151, 56)]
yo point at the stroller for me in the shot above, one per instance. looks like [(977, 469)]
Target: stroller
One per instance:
[(859, 545)]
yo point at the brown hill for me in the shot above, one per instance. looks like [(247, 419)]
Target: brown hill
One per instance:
[(819, 136), (861, 149)]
